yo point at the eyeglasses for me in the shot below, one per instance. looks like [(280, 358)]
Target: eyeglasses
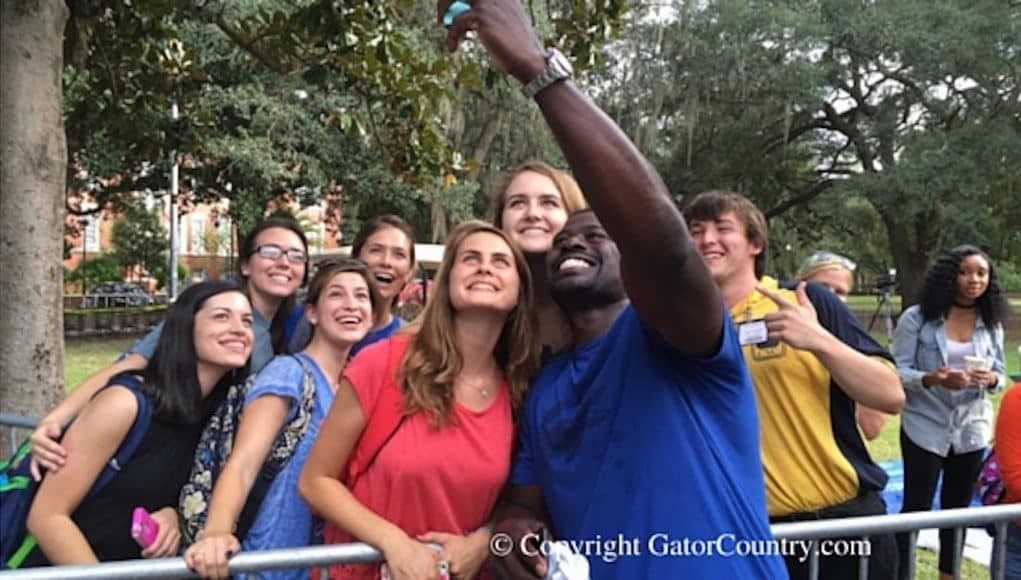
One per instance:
[(273, 251), (825, 259)]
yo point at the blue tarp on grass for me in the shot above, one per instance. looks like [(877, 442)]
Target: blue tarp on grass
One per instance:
[(893, 495)]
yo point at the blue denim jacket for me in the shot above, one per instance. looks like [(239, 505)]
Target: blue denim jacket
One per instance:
[(931, 418)]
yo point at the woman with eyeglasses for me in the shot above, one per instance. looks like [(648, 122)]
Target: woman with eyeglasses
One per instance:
[(272, 266), (207, 338), (340, 306)]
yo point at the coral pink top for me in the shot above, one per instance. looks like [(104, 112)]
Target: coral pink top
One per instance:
[(1008, 444), (426, 479)]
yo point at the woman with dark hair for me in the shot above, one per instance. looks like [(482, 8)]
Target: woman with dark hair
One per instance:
[(462, 370), (271, 266), (949, 354), (207, 337), (531, 205), (340, 304), (386, 244)]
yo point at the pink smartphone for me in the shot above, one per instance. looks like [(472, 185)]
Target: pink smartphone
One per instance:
[(143, 527)]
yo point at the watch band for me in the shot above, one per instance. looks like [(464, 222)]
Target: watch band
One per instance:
[(558, 68)]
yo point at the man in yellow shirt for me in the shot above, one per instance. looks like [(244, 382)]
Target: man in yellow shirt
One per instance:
[(811, 361)]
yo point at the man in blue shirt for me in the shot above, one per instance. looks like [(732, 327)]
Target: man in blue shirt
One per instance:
[(641, 438)]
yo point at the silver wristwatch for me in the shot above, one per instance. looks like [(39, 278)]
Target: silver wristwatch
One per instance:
[(558, 68)]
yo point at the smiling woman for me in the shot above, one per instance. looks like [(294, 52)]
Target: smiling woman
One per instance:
[(947, 419), (271, 265), (341, 302), (531, 205), (208, 336), (461, 371)]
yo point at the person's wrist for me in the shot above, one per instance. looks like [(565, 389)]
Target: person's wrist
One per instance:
[(392, 541), (531, 67)]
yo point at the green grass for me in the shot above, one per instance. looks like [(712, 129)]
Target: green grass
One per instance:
[(82, 357), (870, 301)]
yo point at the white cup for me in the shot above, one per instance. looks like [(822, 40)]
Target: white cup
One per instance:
[(976, 363)]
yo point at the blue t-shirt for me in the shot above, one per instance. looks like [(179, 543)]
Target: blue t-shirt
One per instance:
[(284, 520), (301, 334), (651, 456), (262, 348), (378, 335)]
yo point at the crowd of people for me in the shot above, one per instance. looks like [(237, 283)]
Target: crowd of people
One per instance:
[(586, 367)]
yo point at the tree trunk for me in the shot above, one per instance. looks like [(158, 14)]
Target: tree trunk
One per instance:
[(481, 150), (910, 259), (33, 162)]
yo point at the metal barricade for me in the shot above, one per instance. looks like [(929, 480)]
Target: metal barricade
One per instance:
[(14, 423), (324, 556)]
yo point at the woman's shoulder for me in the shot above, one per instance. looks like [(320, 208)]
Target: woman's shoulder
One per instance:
[(284, 368), (108, 416), (115, 398)]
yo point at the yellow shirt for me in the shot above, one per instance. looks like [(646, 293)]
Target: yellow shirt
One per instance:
[(804, 467)]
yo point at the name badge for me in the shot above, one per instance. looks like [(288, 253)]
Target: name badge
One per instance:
[(752, 332)]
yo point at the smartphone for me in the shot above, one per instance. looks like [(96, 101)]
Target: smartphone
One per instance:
[(443, 571), (143, 527), (455, 9)]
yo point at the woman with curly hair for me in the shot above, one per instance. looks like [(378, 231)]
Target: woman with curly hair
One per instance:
[(949, 353), (462, 370)]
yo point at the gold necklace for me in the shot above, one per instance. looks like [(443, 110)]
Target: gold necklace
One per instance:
[(481, 389)]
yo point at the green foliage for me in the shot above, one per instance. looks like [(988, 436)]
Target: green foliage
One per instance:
[(1009, 275), (139, 239), (288, 101), (911, 107), (104, 268)]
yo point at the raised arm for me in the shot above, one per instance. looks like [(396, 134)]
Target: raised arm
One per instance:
[(47, 452), (665, 277)]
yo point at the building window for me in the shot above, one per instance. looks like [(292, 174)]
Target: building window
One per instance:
[(198, 230), (92, 233)]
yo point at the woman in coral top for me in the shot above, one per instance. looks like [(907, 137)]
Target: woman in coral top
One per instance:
[(462, 369), (1008, 454)]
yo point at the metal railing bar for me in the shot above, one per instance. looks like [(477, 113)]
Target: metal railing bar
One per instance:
[(867, 526), (243, 563), (18, 421), (320, 556)]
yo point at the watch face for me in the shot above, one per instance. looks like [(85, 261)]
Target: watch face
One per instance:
[(560, 62), (558, 68)]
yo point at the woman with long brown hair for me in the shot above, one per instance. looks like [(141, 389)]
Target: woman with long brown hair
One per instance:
[(531, 204), (462, 371)]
